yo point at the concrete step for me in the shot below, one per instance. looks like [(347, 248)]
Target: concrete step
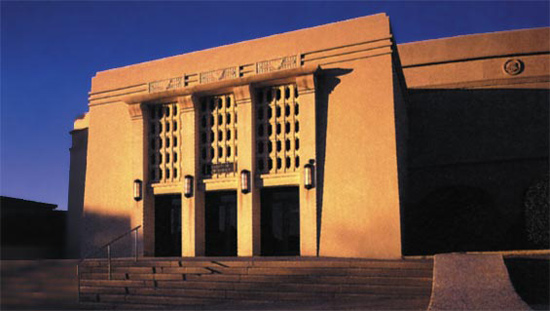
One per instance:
[(130, 306), (298, 287), (197, 298), (162, 269), (396, 272), (328, 304), (403, 264), (155, 300), (339, 271), (134, 276), (381, 280), (319, 304), (375, 280), (118, 283), (325, 263), (146, 263), (103, 286), (391, 264)]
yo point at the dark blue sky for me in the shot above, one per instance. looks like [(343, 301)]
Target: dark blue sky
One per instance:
[(51, 50)]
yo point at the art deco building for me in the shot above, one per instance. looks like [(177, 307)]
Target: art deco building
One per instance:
[(326, 141)]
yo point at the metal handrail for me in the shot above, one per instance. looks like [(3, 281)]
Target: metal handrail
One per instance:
[(108, 246)]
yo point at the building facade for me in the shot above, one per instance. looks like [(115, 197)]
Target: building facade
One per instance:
[(327, 141)]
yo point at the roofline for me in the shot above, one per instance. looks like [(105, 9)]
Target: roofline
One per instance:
[(239, 42)]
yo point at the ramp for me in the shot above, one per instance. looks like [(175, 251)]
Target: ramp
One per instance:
[(473, 282)]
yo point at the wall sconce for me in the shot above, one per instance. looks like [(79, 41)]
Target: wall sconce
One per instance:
[(245, 181), (308, 176), (138, 190), (188, 186)]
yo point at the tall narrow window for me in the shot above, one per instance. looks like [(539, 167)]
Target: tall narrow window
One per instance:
[(218, 132), (276, 121), (163, 143)]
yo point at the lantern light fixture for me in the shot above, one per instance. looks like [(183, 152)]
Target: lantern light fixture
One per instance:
[(308, 176), (188, 186), (245, 181), (138, 190)]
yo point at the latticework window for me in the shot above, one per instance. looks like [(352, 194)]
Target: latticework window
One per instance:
[(277, 129), (218, 136), (164, 140)]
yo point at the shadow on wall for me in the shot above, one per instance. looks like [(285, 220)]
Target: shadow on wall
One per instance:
[(473, 154), (531, 279), (99, 229), (327, 81), (77, 183)]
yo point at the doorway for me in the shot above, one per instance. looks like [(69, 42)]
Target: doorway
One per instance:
[(168, 225), (221, 223), (280, 221)]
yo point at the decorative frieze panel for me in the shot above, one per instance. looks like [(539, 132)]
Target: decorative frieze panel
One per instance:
[(282, 63), (218, 136), (218, 75), (164, 144), (166, 85), (277, 129)]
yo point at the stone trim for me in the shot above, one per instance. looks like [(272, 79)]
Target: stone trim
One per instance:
[(186, 103), (136, 111), (306, 84)]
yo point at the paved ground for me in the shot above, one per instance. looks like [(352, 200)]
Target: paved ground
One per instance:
[(38, 284)]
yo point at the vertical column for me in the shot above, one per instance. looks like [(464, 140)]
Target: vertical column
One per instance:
[(308, 197), (192, 208), (144, 209), (248, 204)]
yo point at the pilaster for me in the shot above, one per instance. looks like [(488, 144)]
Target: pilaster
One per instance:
[(144, 209), (248, 204), (192, 208), (308, 197)]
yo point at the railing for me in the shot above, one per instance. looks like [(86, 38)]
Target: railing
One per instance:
[(108, 247)]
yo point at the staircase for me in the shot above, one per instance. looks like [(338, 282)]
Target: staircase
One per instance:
[(294, 283)]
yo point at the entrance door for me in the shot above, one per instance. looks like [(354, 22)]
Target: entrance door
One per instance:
[(168, 225), (221, 223), (280, 221)]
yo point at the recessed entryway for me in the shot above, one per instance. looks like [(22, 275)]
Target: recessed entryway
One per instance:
[(221, 223), (168, 225), (280, 221)]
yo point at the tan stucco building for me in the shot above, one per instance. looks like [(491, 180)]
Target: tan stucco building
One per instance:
[(326, 141)]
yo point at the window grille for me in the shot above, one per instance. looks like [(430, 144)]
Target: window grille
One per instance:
[(218, 136), (164, 140), (277, 129)]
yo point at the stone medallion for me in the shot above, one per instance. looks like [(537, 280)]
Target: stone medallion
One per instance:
[(513, 67)]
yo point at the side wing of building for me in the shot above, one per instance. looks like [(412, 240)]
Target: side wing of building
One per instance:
[(478, 142)]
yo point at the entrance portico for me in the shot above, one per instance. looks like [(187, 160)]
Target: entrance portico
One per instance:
[(220, 137)]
